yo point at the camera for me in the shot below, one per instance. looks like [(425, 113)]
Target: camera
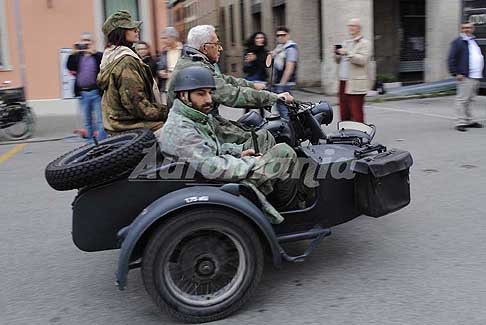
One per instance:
[(337, 47), (81, 46)]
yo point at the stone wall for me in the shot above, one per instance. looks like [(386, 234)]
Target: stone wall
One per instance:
[(443, 22), (336, 15)]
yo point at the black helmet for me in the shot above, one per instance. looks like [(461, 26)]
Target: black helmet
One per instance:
[(192, 78)]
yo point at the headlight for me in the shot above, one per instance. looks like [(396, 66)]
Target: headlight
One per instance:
[(323, 113)]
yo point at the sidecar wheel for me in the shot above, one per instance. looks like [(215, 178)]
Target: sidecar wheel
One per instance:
[(91, 164), (202, 265)]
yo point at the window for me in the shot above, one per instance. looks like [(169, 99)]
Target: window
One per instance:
[(257, 22), (3, 38), (242, 21), (112, 6), (279, 16), (232, 25)]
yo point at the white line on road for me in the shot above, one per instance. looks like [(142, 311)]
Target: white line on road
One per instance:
[(411, 112)]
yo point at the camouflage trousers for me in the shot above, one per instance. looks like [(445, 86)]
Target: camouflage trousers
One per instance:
[(272, 173), (229, 132), (275, 166)]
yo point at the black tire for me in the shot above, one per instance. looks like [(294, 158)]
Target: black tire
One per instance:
[(203, 246), (94, 164), (22, 129)]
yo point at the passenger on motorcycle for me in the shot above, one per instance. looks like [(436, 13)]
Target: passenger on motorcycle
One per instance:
[(131, 98), (190, 135), (204, 48)]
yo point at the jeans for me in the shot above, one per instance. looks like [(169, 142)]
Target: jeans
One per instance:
[(282, 109), (91, 105)]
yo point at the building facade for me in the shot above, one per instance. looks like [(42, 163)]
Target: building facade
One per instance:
[(410, 37), (34, 35)]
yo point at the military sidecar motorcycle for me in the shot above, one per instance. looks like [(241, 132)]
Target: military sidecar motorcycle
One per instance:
[(201, 243)]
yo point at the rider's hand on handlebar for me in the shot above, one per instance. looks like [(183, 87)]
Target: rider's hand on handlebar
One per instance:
[(247, 153), (259, 85), (286, 97)]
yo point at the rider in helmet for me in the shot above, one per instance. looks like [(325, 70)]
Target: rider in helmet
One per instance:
[(189, 135)]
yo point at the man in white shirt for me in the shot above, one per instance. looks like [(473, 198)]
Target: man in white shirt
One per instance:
[(466, 64)]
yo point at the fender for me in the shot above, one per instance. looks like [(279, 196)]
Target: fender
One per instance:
[(226, 196)]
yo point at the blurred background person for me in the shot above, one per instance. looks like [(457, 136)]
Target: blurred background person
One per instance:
[(255, 55), (171, 52), (286, 57), (143, 50), (353, 58), (84, 64), (466, 64)]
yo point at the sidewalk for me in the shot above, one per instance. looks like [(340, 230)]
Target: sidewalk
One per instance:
[(54, 119), (54, 107)]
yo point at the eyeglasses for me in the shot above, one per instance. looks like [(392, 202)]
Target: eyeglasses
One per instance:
[(217, 44), (281, 35)]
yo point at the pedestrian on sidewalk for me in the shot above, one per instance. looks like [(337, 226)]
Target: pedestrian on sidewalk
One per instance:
[(84, 64), (466, 64), (255, 55), (353, 58), (286, 58)]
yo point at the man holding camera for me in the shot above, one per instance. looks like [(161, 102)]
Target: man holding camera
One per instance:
[(84, 64), (353, 58)]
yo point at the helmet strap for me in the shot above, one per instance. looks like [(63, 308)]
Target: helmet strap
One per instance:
[(185, 97)]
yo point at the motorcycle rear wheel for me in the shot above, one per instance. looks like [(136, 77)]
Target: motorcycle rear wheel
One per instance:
[(22, 129)]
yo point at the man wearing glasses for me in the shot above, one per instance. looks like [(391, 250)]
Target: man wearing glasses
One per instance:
[(204, 49), (286, 56)]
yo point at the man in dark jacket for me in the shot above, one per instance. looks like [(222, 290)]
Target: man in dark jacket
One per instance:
[(84, 64), (466, 63)]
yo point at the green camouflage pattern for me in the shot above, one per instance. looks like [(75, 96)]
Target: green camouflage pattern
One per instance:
[(120, 19), (230, 91), (189, 135), (128, 101)]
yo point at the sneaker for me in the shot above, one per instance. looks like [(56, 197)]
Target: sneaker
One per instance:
[(460, 128), (475, 125)]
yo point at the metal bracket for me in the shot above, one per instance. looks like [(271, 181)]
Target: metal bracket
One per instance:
[(317, 234)]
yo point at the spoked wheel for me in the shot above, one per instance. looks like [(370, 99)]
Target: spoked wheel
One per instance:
[(202, 265), (95, 163), (22, 129)]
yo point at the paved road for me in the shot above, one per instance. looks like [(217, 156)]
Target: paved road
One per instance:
[(422, 265)]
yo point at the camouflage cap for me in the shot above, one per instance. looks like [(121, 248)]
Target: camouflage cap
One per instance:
[(120, 19)]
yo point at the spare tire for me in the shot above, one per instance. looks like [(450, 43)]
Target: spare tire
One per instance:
[(94, 164)]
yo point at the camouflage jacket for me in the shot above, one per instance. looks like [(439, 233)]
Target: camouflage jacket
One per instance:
[(189, 135), (129, 99), (230, 91)]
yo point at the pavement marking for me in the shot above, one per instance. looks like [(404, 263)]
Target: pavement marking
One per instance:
[(12, 152), (411, 112)]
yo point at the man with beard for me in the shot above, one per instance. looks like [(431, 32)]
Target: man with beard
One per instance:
[(204, 49), (190, 135)]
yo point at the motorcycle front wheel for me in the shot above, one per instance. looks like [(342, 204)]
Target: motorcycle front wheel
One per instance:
[(23, 129)]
